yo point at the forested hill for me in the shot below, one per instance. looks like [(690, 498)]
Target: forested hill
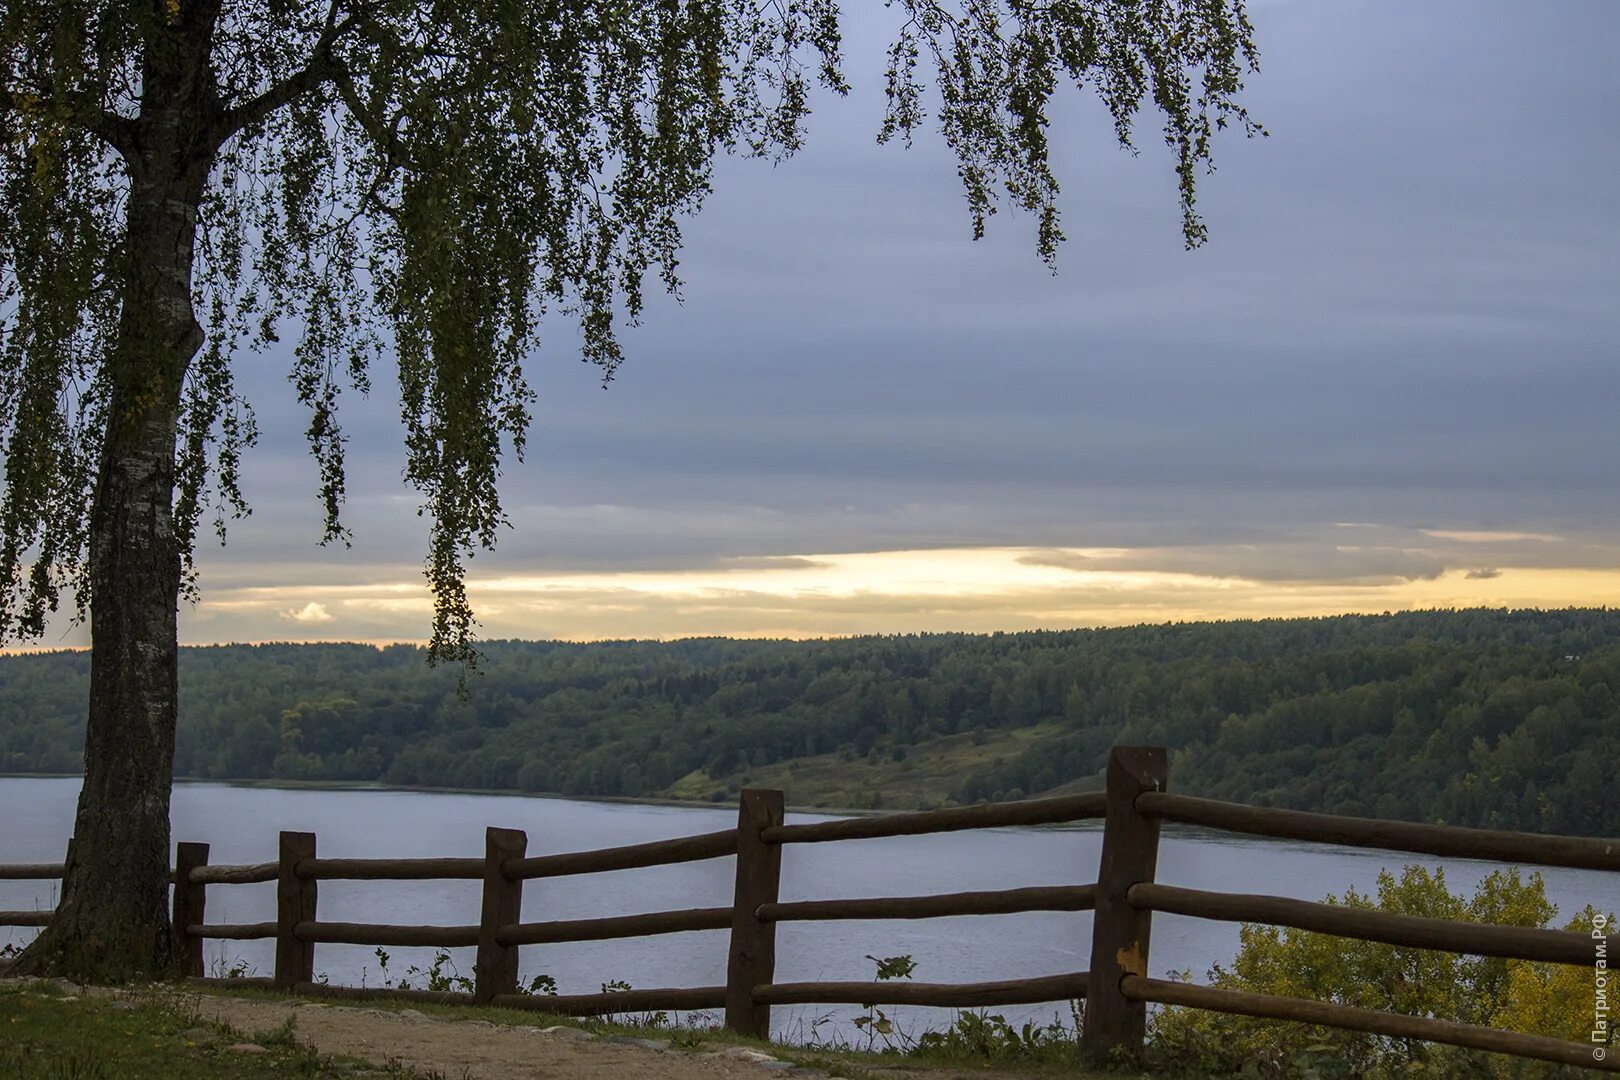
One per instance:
[(1491, 718)]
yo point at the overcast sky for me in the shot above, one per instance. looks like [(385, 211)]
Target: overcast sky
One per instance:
[(1389, 380)]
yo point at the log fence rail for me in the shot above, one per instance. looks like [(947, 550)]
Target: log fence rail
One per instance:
[(1117, 989)]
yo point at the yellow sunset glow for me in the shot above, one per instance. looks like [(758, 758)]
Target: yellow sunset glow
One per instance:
[(831, 594)]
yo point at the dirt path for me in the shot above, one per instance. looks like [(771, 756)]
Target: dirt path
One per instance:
[(480, 1050), (474, 1049)]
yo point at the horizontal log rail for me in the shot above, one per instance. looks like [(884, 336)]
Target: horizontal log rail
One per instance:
[(31, 872), (343, 933), (233, 931), (389, 869), (252, 874), (942, 995), (619, 1001), (1444, 935), (615, 926), (1372, 1021), (25, 918), (943, 905), (1054, 811), (713, 845), (241, 982), (323, 990), (1451, 841)]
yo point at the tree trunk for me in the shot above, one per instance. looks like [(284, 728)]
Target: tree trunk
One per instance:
[(111, 923)]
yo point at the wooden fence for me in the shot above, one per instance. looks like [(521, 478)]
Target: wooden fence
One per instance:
[(1117, 988)]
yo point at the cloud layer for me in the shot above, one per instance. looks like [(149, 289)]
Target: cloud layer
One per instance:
[(934, 589), (1390, 380)]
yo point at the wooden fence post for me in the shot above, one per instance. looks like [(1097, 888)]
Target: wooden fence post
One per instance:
[(190, 898), (295, 903), (496, 970), (1115, 1025), (752, 960)]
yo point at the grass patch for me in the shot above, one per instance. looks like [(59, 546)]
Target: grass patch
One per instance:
[(45, 1035), (923, 780)]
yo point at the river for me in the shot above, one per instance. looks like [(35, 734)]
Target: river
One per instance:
[(240, 822)]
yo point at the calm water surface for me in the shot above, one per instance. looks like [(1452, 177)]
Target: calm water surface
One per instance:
[(241, 824)]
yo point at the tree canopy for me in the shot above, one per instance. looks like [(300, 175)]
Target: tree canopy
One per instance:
[(183, 180), (428, 180)]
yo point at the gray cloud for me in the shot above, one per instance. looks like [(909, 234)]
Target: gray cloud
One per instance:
[(1283, 562), (771, 562)]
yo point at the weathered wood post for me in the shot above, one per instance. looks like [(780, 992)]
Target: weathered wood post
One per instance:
[(190, 898), (752, 960), (295, 903), (1115, 1025), (496, 970)]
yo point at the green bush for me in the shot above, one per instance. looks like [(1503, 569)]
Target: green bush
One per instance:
[(1544, 999)]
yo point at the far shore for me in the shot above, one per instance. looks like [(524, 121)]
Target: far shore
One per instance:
[(379, 785)]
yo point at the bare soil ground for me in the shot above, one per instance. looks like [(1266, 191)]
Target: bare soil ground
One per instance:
[(476, 1049), (471, 1049)]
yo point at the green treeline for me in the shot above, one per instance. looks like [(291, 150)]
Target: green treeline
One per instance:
[(1476, 717)]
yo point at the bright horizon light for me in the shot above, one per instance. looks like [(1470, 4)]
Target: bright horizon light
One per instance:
[(816, 595)]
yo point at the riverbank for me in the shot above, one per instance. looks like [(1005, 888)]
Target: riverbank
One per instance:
[(832, 784)]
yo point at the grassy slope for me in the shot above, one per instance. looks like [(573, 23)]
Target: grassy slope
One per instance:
[(923, 781)]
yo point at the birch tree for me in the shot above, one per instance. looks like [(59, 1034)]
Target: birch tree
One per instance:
[(422, 183)]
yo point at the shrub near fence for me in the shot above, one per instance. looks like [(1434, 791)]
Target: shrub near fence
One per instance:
[(1117, 988)]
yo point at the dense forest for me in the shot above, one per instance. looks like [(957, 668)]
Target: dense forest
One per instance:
[(1476, 717)]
